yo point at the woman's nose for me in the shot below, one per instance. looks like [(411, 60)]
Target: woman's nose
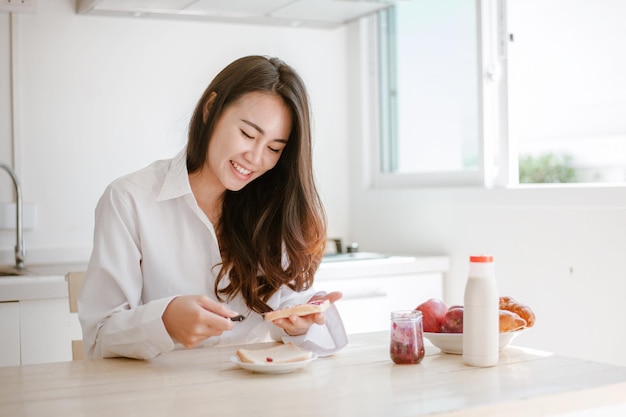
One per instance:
[(254, 155)]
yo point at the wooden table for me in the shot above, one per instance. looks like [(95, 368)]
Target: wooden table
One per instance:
[(358, 381)]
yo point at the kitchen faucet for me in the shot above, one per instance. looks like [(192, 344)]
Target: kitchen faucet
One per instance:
[(20, 251)]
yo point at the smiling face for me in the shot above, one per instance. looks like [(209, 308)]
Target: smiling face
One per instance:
[(248, 140)]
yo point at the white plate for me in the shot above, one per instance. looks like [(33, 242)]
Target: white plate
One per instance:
[(453, 342), (273, 368)]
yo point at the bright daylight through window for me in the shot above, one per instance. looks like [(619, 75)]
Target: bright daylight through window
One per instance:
[(559, 66)]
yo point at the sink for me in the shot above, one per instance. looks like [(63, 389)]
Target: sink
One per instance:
[(13, 271), (42, 270), (353, 256)]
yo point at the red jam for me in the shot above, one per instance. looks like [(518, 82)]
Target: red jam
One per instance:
[(407, 343)]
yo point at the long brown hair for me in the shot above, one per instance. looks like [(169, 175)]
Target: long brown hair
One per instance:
[(273, 231)]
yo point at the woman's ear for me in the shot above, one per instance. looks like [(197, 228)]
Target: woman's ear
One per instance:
[(207, 106)]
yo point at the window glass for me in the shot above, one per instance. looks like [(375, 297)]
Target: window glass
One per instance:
[(550, 108), (430, 118), (567, 89)]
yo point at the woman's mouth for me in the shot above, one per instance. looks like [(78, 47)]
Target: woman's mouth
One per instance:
[(243, 171)]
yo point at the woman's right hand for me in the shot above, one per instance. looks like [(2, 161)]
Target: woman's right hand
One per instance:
[(190, 319)]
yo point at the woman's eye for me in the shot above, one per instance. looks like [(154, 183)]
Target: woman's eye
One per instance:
[(243, 132), (274, 150)]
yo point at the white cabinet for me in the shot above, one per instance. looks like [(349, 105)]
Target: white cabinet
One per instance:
[(46, 331), (372, 289), (9, 333), (36, 325), (367, 302)]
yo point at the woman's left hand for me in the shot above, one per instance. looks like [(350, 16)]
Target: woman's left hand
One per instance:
[(299, 325)]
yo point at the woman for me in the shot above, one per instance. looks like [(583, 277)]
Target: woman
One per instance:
[(232, 225)]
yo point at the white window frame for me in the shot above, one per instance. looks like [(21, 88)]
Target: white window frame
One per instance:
[(495, 144), (493, 100), (492, 126)]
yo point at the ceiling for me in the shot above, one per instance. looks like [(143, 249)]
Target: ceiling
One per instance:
[(317, 13)]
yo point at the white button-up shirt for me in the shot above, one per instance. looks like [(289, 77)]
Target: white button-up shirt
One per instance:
[(151, 243)]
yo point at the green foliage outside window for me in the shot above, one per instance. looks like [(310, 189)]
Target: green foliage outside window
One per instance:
[(546, 168)]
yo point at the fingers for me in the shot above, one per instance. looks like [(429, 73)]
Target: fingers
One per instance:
[(298, 325), (334, 296), (331, 296), (191, 319), (293, 326), (215, 307)]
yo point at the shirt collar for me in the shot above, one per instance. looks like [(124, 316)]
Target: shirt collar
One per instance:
[(176, 183)]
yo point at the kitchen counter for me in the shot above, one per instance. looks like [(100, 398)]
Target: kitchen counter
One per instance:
[(359, 381), (48, 281), (388, 265), (39, 282), (37, 326)]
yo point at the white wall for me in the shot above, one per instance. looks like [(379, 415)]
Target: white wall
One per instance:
[(99, 97), (102, 96), (561, 251)]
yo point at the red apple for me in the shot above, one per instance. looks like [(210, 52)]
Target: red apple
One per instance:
[(433, 312), (453, 321)]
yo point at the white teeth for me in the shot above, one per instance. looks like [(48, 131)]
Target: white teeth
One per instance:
[(240, 169)]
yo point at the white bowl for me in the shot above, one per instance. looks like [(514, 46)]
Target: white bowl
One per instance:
[(453, 342)]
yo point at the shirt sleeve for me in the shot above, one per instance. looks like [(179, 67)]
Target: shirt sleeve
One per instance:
[(113, 318)]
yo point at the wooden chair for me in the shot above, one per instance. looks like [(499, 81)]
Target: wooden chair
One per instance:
[(74, 282)]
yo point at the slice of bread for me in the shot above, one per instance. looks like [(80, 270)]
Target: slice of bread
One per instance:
[(299, 310), (284, 353)]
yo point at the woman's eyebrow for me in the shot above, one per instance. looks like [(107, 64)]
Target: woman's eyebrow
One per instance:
[(261, 131), (253, 125)]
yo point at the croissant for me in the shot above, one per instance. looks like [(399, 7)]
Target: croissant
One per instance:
[(522, 310), (510, 321)]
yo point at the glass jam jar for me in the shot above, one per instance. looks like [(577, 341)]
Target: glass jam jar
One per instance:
[(407, 342)]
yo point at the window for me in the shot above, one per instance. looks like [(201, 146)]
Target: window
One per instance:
[(502, 92), (429, 92)]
